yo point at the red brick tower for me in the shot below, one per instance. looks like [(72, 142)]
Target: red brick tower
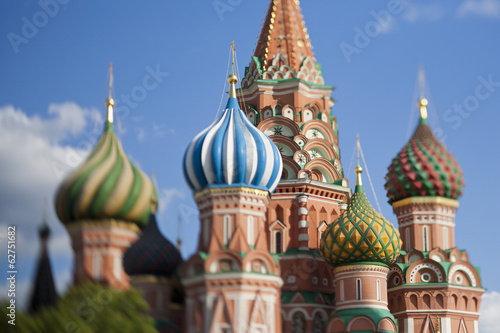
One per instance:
[(433, 283), (233, 282), (284, 94)]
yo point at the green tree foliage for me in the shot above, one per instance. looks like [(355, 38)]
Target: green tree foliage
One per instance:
[(86, 308)]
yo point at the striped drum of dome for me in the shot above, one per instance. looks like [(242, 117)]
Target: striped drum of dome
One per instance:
[(232, 152), (107, 185)]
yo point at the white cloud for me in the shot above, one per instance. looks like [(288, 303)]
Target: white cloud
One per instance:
[(415, 12), (483, 8), (141, 134), (35, 158), (490, 308), (166, 196)]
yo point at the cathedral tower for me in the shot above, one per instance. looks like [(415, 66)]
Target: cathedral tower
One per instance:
[(284, 94), (433, 283), (232, 283), (361, 244), (103, 205)]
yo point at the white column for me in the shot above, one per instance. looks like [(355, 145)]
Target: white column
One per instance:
[(409, 325), (446, 325)]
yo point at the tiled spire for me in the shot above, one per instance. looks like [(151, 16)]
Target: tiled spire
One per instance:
[(283, 50), (284, 32)]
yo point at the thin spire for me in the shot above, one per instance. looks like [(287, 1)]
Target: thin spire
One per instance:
[(44, 292), (110, 102), (422, 103), (358, 170), (232, 79)]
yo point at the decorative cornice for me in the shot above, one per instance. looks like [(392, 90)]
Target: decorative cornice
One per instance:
[(229, 191), (93, 224), (426, 200), (361, 267)]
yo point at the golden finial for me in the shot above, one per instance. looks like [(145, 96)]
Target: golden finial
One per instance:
[(110, 102), (438, 326), (358, 170), (422, 103), (232, 79)]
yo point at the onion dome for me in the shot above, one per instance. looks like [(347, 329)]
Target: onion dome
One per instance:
[(232, 152), (107, 185), (424, 167), (151, 254), (360, 234)]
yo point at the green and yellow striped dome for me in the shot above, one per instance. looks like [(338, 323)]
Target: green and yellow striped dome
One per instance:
[(107, 185), (360, 234)]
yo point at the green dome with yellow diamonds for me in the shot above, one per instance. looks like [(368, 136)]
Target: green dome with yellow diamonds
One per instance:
[(360, 234), (106, 186)]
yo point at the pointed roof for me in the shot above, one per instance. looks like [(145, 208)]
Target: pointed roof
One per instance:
[(232, 152), (44, 290), (152, 254), (107, 185), (283, 50), (284, 31), (360, 234), (424, 167)]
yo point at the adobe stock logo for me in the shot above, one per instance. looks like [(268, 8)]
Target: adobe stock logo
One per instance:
[(222, 6), (30, 28), (382, 21), (483, 90)]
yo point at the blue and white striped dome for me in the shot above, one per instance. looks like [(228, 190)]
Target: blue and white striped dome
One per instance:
[(232, 152)]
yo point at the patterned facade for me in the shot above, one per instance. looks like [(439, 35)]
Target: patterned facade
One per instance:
[(284, 243)]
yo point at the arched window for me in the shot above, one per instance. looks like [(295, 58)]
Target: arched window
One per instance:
[(227, 229), (445, 238), (358, 289), (425, 238), (96, 265), (278, 241), (298, 323), (250, 231), (318, 324), (407, 239), (341, 290)]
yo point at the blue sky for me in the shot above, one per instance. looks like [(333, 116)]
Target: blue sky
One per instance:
[(170, 60)]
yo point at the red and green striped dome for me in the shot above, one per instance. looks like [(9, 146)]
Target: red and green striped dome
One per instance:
[(424, 167)]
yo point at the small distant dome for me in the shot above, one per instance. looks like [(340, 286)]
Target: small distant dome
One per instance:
[(106, 186), (151, 254), (424, 167), (360, 234), (232, 152)]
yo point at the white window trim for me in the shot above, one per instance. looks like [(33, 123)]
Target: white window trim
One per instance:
[(227, 229), (250, 230)]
